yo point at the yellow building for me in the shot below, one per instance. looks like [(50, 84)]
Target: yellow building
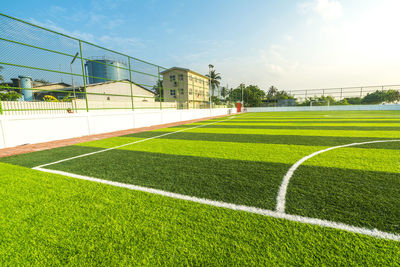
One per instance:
[(187, 88)]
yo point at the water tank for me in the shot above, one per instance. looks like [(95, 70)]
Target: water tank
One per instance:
[(26, 82), (105, 68)]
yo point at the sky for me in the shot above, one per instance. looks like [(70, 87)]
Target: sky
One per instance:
[(290, 44)]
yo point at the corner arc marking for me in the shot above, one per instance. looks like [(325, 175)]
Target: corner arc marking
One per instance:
[(281, 198), (270, 213)]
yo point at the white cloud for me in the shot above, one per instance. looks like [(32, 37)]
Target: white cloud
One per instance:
[(274, 69), (326, 9), (52, 26), (56, 11), (123, 44)]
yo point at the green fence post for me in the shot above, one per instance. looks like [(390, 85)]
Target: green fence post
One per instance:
[(84, 75), (1, 109), (160, 89), (130, 82)]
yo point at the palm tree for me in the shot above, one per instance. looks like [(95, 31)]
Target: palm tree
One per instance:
[(215, 80), (224, 92), (272, 90)]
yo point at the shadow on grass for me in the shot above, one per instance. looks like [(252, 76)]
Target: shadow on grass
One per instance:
[(271, 139), (234, 181), (317, 120), (305, 127), (34, 159)]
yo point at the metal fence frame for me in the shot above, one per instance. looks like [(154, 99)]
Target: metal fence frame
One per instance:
[(341, 93), (83, 74)]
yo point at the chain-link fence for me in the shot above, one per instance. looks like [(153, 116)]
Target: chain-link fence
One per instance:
[(44, 71), (350, 94)]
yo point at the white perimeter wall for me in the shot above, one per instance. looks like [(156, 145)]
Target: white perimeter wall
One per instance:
[(29, 129), (324, 108)]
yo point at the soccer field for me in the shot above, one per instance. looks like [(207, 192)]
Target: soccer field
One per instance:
[(256, 188)]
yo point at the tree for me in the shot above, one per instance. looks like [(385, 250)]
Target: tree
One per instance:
[(214, 80), (354, 100), (1, 77), (318, 101), (224, 92), (283, 95), (158, 89), (43, 81), (216, 100), (272, 92), (376, 97), (9, 96), (392, 96), (252, 95)]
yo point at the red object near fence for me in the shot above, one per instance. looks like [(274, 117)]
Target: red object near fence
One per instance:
[(238, 107)]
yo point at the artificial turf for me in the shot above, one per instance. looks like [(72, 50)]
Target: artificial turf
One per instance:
[(243, 161), (48, 219)]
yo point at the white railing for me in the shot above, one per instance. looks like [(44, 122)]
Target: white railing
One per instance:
[(25, 108)]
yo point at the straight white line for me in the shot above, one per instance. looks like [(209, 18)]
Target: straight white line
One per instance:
[(135, 142), (270, 213), (281, 198)]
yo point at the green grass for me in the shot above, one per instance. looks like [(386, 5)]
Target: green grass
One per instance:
[(240, 161), (48, 219)]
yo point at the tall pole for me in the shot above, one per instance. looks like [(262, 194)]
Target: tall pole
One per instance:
[(242, 95), (210, 83)]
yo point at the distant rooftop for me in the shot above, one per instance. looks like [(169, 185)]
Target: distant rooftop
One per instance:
[(184, 69)]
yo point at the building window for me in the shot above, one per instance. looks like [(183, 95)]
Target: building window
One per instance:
[(181, 77), (172, 78), (173, 92), (182, 91), (190, 92)]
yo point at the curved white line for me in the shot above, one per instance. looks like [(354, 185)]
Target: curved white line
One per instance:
[(281, 198), (270, 213)]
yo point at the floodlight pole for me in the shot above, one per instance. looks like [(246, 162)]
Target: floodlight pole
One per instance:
[(72, 75)]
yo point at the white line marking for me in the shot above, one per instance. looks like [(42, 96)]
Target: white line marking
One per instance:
[(270, 213), (135, 142), (281, 198)]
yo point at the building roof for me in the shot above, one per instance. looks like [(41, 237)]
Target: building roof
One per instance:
[(41, 85), (183, 69), (126, 80)]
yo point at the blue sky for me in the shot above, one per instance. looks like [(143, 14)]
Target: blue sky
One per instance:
[(289, 44)]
